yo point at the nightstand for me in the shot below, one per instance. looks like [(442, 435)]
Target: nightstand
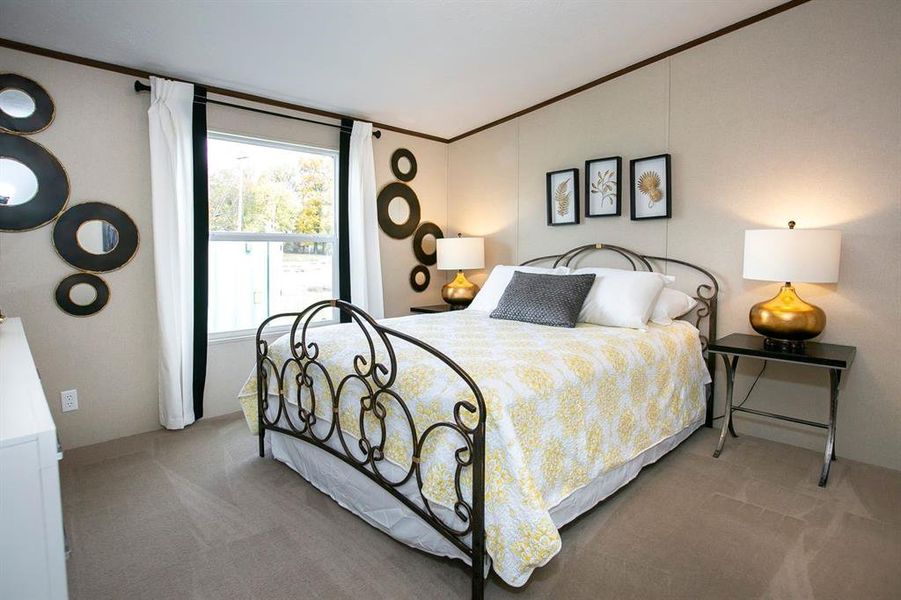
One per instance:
[(434, 308), (826, 356)]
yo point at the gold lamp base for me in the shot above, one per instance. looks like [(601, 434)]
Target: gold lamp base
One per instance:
[(459, 292), (786, 320)]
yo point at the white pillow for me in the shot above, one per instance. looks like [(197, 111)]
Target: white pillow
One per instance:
[(620, 298), (671, 304), (497, 282)]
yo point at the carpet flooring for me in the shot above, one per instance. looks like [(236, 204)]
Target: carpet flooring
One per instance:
[(197, 514)]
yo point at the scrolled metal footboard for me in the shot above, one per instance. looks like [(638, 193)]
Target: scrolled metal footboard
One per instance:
[(376, 380)]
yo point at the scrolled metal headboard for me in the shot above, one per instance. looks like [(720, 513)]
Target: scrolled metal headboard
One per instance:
[(703, 316)]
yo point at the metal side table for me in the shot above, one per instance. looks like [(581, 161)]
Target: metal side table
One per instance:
[(829, 356)]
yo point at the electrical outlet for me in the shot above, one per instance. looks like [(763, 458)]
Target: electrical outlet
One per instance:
[(69, 400)]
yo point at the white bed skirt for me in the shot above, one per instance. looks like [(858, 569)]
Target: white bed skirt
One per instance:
[(363, 497)]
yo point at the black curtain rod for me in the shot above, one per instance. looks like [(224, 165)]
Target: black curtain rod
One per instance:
[(143, 87)]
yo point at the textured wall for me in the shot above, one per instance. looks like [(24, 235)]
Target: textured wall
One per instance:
[(794, 117)]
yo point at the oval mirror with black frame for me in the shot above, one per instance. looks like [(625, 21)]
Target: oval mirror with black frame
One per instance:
[(403, 157), (82, 294), (96, 237), (420, 278), (34, 187), (25, 106), (405, 228), (425, 230)]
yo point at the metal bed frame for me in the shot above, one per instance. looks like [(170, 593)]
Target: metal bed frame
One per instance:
[(377, 379)]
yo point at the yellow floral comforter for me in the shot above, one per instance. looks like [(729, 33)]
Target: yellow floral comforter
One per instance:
[(563, 407)]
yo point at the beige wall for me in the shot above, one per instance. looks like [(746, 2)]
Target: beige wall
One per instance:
[(794, 117), (430, 185), (100, 136)]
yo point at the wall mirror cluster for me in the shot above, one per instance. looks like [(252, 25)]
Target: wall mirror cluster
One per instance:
[(93, 237), (399, 216)]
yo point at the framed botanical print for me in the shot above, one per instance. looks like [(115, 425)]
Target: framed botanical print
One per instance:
[(651, 196), (603, 187), (563, 197)]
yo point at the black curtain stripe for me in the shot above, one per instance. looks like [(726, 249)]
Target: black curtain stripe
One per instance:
[(343, 222), (201, 249)]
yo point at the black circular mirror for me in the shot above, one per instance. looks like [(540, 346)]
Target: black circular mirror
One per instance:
[(82, 294), (402, 229), (25, 106), (420, 278), (34, 187), (96, 237), (403, 164), (425, 243)]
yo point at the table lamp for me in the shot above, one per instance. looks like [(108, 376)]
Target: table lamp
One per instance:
[(456, 254), (790, 255)]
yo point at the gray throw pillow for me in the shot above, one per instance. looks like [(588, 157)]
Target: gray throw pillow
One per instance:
[(543, 299)]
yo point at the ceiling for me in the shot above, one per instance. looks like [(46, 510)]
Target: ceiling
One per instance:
[(435, 66)]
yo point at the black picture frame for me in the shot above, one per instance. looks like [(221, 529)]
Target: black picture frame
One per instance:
[(668, 188), (550, 197), (618, 208)]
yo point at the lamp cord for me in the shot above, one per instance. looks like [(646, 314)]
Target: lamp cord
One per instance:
[(750, 389)]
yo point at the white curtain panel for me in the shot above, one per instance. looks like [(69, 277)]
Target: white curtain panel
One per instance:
[(172, 185), (365, 259)]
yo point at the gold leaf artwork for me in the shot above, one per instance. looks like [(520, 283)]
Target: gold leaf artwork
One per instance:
[(561, 197), (649, 185), (605, 186)]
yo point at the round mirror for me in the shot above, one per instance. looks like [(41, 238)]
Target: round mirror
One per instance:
[(419, 278), (403, 164), (428, 243), (97, 236), (82, 294), (425, 242), (18, 183), (398, 210), (16, 103)]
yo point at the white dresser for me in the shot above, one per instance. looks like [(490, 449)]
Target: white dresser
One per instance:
[(32, 545)]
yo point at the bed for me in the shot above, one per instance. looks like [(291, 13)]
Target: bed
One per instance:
[(477, 438)]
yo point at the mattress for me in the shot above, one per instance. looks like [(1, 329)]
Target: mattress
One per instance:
[(568, 411)]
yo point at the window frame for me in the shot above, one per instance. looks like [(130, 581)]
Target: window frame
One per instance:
[(240, 236)]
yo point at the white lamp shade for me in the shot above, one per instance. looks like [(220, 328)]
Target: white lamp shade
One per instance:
[(802, 255), (456, 254)]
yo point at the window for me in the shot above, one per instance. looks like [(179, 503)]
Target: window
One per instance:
[(273, 231)]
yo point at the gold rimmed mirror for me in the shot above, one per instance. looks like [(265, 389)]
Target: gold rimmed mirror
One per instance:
[(25, 106), (82, 294)]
